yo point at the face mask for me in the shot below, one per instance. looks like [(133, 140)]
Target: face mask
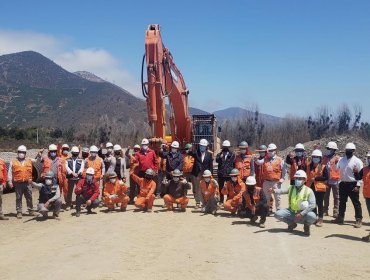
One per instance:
[(113, 180), (145, 147), (85, 155), (174, 150), (316, 160), (202, 148), (329, 152), (65, 152), (349, 154), (148, 178), (234, 179), (262, 154), (299, 154), (176, 179), (251, 188), (271, 154), (298, 183), (207, 180), (225, 150), (21, 155), (48, 182), (75, 155), (243, 152), (93, 155), (187, 151), (89, 178), (53, 154)]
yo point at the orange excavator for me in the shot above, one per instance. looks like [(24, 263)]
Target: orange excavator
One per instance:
[(165, 81)]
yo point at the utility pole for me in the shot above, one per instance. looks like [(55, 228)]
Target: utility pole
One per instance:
[(37, 136)]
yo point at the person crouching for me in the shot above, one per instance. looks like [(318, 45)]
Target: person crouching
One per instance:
[(147, 186), (233, 189), (115, 192), (175, 191), (210, 193)]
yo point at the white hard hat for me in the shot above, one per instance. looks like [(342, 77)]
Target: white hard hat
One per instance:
[(226, 143), (299, 146), (368, 154), (22, 148), (271, 146), (317, 153), (75, 149), (137, 146), (53, 147), (203, 142), (251, 181), (65, 146), (300, 174), (117, 147), (207, 173), (175, 144), (332, 145), (109, 145), (303, 205), (90, 171), (94, 149), (145, 142), (350, 146)]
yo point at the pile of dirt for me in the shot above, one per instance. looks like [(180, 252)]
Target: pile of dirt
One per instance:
[(362, 147)]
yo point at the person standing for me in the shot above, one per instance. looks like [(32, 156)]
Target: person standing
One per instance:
[(133, 165), (262, 150), (226, 161), (188, 166), (3, 178), (296, 161), (244, 161), (348, 184)]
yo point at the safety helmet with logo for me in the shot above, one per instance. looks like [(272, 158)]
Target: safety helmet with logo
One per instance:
[(117, 148), (300, 174), (350, 146), (109, 145), (226, 143), (112, 175), (251, 181), (187, 146), (175, 145), (65, 147), (90, 171), (94, 149), (75, 149), (145, 141), (176, 173), (203, 142), (316, 153), (271, 147), (207, 173), (149, 172), (299, 147), (234, 172), (22, 149), (243, 145), (53, 147), (332, 145), (49, 174)]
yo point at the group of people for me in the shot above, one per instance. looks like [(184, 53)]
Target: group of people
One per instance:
[(245, 184)]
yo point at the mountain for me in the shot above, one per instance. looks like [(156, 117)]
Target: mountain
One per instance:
[(34, 91), (234, 113), (196, 111)]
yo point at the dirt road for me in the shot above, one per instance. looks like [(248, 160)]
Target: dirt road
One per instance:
[(166, 245)]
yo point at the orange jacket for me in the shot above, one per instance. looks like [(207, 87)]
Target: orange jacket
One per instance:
[(22, 173), (188, 163), (272, 170), (47, 163), (115, 188), (257, 196), (243, 165), (318, 171), (210, 189), (334, 173), (146, 188), (366, 181), (234, 191), (96, 164), (3, 172)]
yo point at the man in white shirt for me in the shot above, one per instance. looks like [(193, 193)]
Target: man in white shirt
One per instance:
[(348, 184)]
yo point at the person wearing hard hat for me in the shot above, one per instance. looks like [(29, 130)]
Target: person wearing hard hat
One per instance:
[(119, 162), (147, 185), (85, 153), (87, 192), (203, 160), (65, 152), (233, 189), (262, 151), (75, 167), (174, 159), (244, 161), (96, 163), (210, 193), (133, 165), (115, 192), (189, 159), (296, 160), (146, 159), (364, 175), (49, 195), (19, 174), (330, 158), (302, 202), (3, 178), (255, 202), (226, 162), (108, 158), (274, 171), (317, 176), (348, 186), (175, 191)]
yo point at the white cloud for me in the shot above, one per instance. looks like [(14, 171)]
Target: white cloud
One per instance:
[(97, 61)]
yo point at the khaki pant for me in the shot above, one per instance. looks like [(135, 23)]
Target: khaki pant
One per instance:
[(267, 185), (20, 190), (198, 193), (335, 188)]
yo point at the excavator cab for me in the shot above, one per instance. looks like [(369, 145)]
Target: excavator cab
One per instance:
[(205, 127)]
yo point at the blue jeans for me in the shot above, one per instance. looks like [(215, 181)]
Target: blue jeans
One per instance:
[(287, 216)]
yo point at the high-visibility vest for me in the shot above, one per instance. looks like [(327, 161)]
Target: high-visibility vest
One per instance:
[(272, 170), (188, 164), (47, 163), (232, 190), (243, 165), (211, 188), (334, 173), (22, 173), (295, 200), (320, 186), (97, 165), (366, 181), (2, 172)]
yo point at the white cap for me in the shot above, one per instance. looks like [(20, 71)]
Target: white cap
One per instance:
[(90, 171), (203, 142), (350, 146), (65, 146), (175, 144), (226, 143), (22, 148), (303, 205), (109, 145), (316, 153), (117, 147), (271, 146), (207, 173), (251, 181), (300, 174), (75, 149), (332, 145), (94, 149), (53, 147), (299, 146), (145, 142)]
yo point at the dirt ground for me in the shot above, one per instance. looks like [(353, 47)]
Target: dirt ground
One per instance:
[(174, 245)]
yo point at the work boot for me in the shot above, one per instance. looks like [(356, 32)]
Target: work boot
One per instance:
[(3, 218), (149, 210), (56, 216), (214, 212), (358, 223), (254, 219), (335, 215), (19, 215), (89, 211), (33, 213), (366, 238), (183, 209), (326, 213), (292, 226), (319, 222), (338, 220), (123, 209), (306, 229), (262, 222), (197, 206), (78, 214)]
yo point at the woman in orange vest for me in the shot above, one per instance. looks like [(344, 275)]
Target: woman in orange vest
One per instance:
[(210, 193), (115, 192), (316, 179), (147, 185), (233, 189), (364, 175)]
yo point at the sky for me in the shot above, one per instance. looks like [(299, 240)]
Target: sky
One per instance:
[(286, 57)]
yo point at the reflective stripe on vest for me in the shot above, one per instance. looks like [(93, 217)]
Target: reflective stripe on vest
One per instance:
[(366, 181), (295, 200), (244, 166), (272, 170), (22, 173), (334, 173), (96, 164)]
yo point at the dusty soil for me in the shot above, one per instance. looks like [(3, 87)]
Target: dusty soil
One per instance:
[(173, 245)]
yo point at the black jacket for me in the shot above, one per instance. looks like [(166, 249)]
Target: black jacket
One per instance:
[(200, 166), (173, 161), (225, 165)]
